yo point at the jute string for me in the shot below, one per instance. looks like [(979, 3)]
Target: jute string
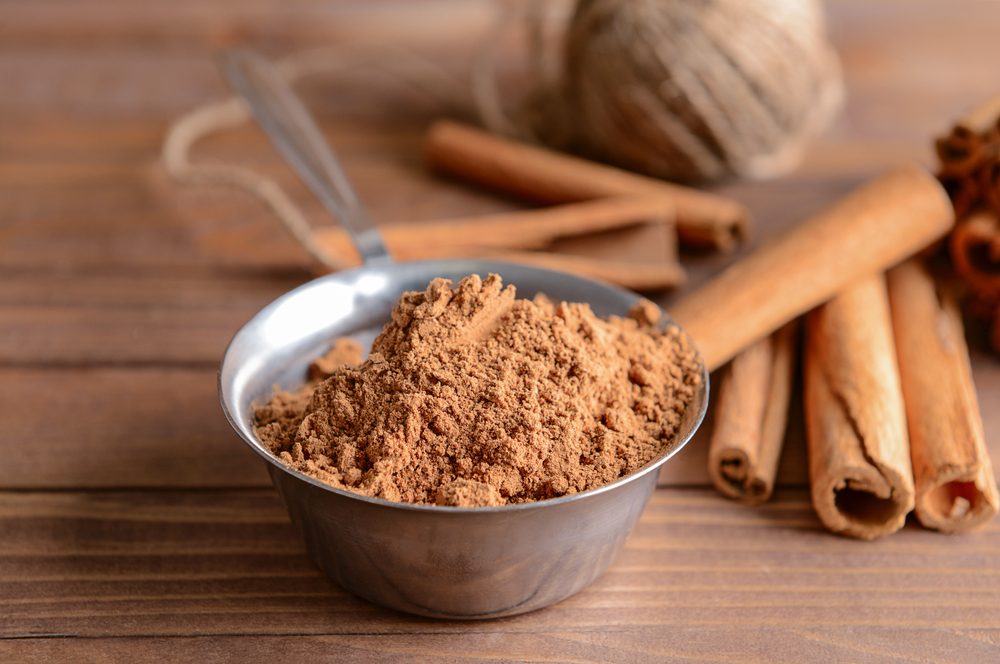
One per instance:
[(229, 113)]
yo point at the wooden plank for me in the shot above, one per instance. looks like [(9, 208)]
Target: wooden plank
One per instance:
[(209, 23), (74, 335), (138, 427), (191, 289), (200, 564), (638, 645), (890, 97), (140, 318)]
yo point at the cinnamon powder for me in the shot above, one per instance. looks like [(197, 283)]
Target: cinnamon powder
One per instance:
[(470, 397)]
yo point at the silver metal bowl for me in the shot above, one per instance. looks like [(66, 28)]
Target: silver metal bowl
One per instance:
[(443, 562)]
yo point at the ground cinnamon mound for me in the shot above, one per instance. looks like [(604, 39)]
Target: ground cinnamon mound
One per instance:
[(470, 397)]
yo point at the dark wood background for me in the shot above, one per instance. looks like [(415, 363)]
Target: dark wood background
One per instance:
[(135, 526)]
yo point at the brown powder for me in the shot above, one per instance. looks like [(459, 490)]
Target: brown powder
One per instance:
[(470, 397)]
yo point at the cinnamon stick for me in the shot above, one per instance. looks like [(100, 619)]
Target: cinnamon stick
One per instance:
[(521, 229), (960, 151), (872, 228), (955, 486), (970, 158), (704, 220), (974, 246), (969, 142), (750, 417), (859, 457)]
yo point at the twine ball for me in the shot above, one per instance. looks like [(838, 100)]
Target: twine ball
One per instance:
[(698, 90)]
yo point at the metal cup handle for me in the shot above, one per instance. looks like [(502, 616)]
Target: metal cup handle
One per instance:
[(293, 131)]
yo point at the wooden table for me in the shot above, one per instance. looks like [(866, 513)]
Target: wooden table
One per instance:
[(134, 524)]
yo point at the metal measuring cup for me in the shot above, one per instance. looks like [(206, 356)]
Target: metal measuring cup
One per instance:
[(444, 562)]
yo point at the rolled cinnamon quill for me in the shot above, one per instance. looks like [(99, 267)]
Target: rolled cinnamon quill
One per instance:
[(872, 228), (859, 457), (974, 246), (970, 158), (960, 151), (955, 486), (750, 417), (703, 219), (520, 229)]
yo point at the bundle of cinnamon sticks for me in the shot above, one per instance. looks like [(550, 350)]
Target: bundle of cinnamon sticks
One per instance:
[(970, 171), (892, 418)]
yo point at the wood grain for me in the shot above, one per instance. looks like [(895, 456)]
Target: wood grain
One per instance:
[(53, 319), (641, 645), (212, 565), (119, 427), (134, 524)]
